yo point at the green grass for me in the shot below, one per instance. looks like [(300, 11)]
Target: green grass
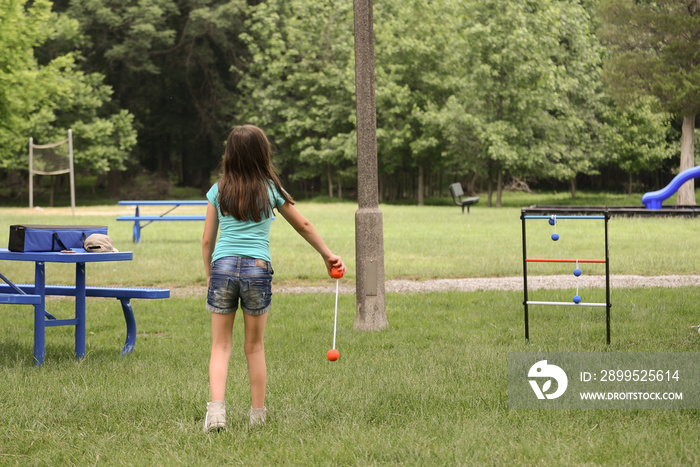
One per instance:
[(419, 242), (431, 389)]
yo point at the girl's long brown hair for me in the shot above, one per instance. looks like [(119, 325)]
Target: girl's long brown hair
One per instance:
[(246, 173)]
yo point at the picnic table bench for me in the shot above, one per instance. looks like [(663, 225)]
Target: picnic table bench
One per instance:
[(123, 294), (137, 218), (19, 299)]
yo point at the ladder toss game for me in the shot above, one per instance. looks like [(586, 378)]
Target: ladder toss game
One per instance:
[(577, 300)]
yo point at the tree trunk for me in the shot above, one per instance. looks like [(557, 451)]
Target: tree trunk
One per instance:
[(161, 151), (330, 180), (500, 187), (472, 184), (340, 187), (52, 189), (114, 182), (429, 188), (629, 188), (490, 186), (421, 186), (686, 193), (573, 187)]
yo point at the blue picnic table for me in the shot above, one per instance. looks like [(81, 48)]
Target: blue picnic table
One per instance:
[(138, 218), (35, 294)]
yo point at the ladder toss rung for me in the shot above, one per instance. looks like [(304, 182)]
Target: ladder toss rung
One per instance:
[(530, 302), (540, 260)]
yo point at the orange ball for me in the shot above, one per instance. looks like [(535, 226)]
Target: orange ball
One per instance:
[(336, 273), (333, 355)]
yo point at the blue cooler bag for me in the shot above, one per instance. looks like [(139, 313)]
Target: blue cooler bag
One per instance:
[(25, 238)]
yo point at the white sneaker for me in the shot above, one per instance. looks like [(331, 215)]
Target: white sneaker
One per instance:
[(257, 416), (216, 416)]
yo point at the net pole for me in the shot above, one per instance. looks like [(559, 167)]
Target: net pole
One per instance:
[(31, 173), (72, 175)]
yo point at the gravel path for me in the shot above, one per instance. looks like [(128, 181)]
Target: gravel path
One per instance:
[(489, 283), (510, 283)]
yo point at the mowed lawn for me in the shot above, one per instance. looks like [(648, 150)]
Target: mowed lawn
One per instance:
[(419, 242), (431, 389)]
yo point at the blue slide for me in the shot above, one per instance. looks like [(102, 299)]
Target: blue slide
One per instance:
[(653, 199)]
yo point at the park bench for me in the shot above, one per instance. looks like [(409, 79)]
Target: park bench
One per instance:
[(137, 218), (459, 199), (123, 294)]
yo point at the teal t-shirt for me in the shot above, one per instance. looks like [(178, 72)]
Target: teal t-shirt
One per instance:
[(244, 238)]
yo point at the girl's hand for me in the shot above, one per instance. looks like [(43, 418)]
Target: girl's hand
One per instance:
[(334, 261)]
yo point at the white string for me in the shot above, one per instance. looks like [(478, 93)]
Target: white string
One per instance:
[(335, 321)]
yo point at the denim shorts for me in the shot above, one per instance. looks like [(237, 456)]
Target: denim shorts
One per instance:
[(234, 278)]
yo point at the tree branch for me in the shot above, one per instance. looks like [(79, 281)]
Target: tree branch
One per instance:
[(177, 46)]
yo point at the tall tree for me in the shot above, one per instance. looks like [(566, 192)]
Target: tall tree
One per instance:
[(636, 138), (20, 31), (528, 70), (656, 52), (413, 39), (169, 62), (298, 84), (43, 94)]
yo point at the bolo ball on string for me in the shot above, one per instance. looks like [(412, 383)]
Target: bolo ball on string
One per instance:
[(577, 273), (333, 354), (553, 221)]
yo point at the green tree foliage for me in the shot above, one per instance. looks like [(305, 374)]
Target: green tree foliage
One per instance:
[(20, 91), (636, 138), (461, 86), (655, 53), (530, 92), (169, 63), (43, 100), (298, 84), (412, 82), (467, 90)]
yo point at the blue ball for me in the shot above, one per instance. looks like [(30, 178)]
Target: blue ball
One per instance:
[(577, 299), (555, 236), (577, 272)]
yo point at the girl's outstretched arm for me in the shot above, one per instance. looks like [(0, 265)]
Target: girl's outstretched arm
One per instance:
[(211, 227), (309, 233)]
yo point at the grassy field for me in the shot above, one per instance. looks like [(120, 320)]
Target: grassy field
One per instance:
[(419, 242), (431, 389)]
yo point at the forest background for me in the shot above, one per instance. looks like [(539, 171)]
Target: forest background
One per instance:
[(550, 94)]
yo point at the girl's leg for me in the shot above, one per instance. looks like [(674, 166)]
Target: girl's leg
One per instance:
[(255, 354), (222, 343)]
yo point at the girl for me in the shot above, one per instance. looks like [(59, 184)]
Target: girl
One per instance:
[(238, 264)]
